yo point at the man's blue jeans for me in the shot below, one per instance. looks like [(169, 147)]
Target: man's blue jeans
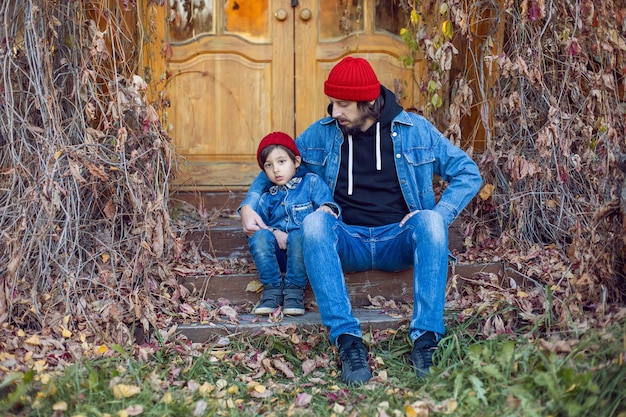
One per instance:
[(331, 247), (270, 260)]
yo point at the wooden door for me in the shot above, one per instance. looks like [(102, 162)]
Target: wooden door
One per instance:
[(239, 69)]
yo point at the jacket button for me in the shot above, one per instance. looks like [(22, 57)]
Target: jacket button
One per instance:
[(398, 155)]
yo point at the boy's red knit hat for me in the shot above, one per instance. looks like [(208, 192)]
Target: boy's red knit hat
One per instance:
[(352, 79), (276, 138)]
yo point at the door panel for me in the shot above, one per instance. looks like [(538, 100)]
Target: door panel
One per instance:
[(364, 28), (228, 84), (243, 68)]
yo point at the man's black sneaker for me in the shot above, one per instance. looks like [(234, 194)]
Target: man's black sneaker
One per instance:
[(422, 354), (354, 367), (271, 299)]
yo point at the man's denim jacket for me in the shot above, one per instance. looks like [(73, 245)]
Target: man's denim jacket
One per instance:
[(421, 151), (284, 207)]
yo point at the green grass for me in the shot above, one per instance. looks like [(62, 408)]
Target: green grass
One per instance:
[(569, 374)]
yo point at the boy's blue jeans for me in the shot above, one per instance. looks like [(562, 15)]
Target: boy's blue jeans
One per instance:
[(271, 261), (331, 247)]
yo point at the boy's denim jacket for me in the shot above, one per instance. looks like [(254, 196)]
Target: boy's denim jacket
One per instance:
[(421, 151), (284, 207)]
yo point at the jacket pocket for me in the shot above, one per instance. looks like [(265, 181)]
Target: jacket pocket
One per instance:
[(300, 211), (419, 156), (315, 156)]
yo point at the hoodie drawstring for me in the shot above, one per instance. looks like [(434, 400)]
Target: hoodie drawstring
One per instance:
[(379, 162), (378, 157), (350, 158)]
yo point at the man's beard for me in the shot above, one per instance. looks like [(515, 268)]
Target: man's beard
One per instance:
[(354, 128)]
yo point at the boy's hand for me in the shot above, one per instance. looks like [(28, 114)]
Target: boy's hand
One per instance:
[(327, 210), (281, 238)]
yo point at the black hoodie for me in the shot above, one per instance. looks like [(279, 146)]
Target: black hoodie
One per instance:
[(376, 198)]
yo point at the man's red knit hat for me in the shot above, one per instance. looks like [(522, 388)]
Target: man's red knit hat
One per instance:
[(352, 79), (276, 138)]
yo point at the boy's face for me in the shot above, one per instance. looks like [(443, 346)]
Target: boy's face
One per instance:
[(279, 168)]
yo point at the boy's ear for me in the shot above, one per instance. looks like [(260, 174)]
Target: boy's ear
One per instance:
[(298, 161)]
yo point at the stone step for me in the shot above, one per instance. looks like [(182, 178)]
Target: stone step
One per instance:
[(369, 293), (217, 231), (221, 234)]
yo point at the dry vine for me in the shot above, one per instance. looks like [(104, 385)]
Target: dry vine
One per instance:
[(84, 169), (555, 151)]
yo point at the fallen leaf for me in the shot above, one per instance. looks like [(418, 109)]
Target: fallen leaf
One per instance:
[(33, 340), (303, 399), (125, 391)]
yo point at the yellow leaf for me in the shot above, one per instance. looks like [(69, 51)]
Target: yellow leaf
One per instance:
[(66, 333), (415, 18), (486, 191), (167, 398), (522, 294), (205, 388), (58, 154), (447, 29), (102, 349), (33, 340), (28, 356), (410, 411), (20, 333), (40, 365), (260, 388), (60, 406), (233, 390), (105, 257), (402, 31), (254, 286), (125, 391), (44, 378)]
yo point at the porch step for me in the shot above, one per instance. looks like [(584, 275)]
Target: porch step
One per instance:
[(219, 233), (370, 294), (370, 319)]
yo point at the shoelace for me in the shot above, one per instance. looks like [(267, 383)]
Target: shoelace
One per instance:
[(355, 356)]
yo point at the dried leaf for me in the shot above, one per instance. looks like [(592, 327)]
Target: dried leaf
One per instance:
[(125, 391)]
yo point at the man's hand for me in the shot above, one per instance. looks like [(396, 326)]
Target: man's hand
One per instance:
[(250, 221)]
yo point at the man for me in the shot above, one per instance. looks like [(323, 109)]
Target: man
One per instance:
[(379, 161)]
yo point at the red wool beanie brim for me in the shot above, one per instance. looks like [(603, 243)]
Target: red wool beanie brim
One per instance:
[(352, 79), (276, 138)]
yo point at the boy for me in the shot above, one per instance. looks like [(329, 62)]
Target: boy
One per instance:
[(283, 207)]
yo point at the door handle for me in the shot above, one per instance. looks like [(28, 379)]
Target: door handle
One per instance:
[(305, 14), (281, 14)]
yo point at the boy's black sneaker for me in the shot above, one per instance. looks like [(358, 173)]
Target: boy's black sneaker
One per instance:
[(271, 299), (354, 367), (293, 301), (422, 354)]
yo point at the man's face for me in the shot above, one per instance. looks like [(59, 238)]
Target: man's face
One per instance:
[(350, 118)]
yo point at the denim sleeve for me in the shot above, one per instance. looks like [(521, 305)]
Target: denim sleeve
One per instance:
[(321, 194), (258, 186), (463, 177)]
